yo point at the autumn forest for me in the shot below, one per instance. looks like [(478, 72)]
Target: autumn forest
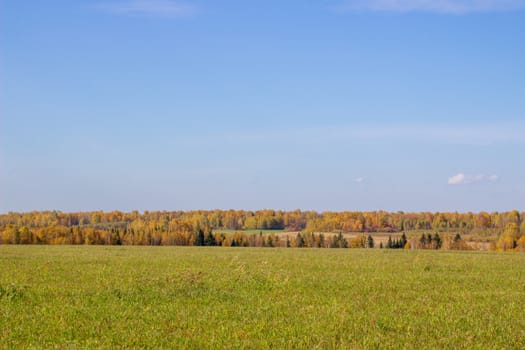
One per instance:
[(504, 231)]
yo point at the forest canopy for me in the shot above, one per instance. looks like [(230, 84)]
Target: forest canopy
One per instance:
[(203, 226)]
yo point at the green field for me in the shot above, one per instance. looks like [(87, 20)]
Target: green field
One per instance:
[(71, 297)]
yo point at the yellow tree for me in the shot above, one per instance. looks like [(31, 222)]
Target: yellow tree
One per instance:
[(509, 237)]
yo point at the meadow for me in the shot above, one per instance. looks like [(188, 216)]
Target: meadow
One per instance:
[(71, 297)]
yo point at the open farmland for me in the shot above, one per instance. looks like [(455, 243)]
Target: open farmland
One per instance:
[(210, 297)]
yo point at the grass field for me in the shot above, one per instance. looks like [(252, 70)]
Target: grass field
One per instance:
[(212, 298)]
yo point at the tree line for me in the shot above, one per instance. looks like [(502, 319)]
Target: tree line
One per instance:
[(314, 229)]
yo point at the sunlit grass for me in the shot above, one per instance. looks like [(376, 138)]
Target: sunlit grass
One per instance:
[(190, 297)]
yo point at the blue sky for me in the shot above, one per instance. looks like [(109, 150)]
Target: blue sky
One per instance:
[(327, 105)]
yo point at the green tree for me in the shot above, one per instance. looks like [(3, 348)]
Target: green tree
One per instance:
[(436, 241), (403, 241), (343, 243), (199, 239), (370, 242), (210, 239)]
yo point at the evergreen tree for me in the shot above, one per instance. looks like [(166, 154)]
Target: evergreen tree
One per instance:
[(338, 241), (370, 243), (115, 238), (403, 240), (437, 241), (333, 242), (210, 239), (199, 240)]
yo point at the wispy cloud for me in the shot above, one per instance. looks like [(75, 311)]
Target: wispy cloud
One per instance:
[(463, 179), (359, 180), (150, 8), (475, 135), (432, 6)]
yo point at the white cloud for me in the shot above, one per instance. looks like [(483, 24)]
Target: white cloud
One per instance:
[(463, 179), (434, 6), (153, 8), (359, 180)]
